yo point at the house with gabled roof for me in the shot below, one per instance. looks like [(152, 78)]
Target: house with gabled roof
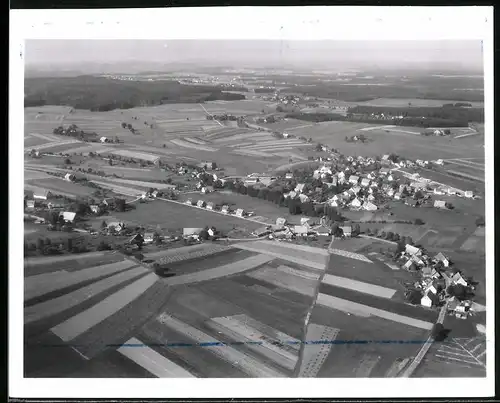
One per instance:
[(355, 190), (149, 237), (96, 209), (239, 212), (440, 204), (207, 189), (303, 198), (369, 206), (289, 175), (68, 216), (301, 230), (70, 177), (210, 206), (353, 179), (225, 209), (299, 188), (42, 194), (189, 202), (200, 203), (355, 203), (322, 230), (365, 182), (440, 257), (383, 171), (280, 222), (390, 192), (412, 250), (458, 279), (469, 194), (346, 230), (397, 196)]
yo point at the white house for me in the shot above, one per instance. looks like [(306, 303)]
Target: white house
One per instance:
[(355, 203), (355, 190), (440, 257), (285, 135), (333, 203), (469, 194), (149, 237), (426, 301), (207, 189), (189, 202), (200, 203), (42, 194), (103, 139), (369, 206), (225, 209), (354, 179), (95, 208), (300, 230), (289, 175), (371, 197), (280, 222), (210, 206), (239, 212), (300, 187), (440, 162), (303, 198), (440, 204), (458, 279), (412, 250), (390, 178), (118, 226), (30, 204), (346, 230), (365, 182), (69, 177), (390, 192), (68, 216), (397, 196)]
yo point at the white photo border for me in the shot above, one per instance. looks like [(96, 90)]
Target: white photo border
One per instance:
[(292, 23)]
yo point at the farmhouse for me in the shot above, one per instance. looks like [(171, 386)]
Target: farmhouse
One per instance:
[(412, 250), (68, 216), (189, 202), (69, 177), (365, 182), (200, 203), (355, 203), (95, 208), (303, 198), (136, 239), (289, 175), (239, 212), (149, 237), (225, 209), (429, 299), (280, 222), (30, 204), (411, 202), (137, 156), (354, 179), (369, 206), (440, 204), (440, 257), (322, 231), (117, 226), (210, 206), (42, 194), (300, 230), (397, 196), (207, 189), (355, 190), (300, 187), (458, 279), (469, 194), (189, 232), (103, 139), (346, 230)]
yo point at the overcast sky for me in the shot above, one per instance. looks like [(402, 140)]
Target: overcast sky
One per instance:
[(320, 54)]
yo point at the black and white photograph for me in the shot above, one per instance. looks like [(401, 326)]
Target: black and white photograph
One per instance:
[(282, 207)]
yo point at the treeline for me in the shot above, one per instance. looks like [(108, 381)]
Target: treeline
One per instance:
[(102, 94), (266, 90), (449, 112)]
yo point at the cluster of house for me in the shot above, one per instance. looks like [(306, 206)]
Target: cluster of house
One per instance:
[(307, 228), (376, 186), (436, 277), (225, 209)]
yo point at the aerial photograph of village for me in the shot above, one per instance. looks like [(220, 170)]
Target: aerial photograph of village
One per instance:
[(251, 209)]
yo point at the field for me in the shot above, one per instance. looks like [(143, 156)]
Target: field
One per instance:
[(59, 186), (384, 141), (415, 102), (176, 215)]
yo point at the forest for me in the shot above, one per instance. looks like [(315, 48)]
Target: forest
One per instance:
[(103, 94)]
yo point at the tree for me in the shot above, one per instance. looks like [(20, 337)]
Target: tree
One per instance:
[(419, 195), (214, 165), (204, 234), (356, 230), (389, 235), (129, 126), (40, 245), (395, 238), (69, 244), (414, 297), (120, 205), (319, 147), (480, 221), (124, 125), (419, 221), (103, 224), (67, 161)]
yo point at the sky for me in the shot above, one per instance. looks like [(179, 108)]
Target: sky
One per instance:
[(465, 55)]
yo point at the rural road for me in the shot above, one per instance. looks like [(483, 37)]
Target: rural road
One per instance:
[(425, 348), (209, 114)]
